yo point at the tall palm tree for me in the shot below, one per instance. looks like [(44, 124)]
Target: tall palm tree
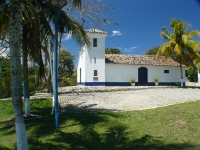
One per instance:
[(15, 71), (179, 43), (14, 38), (38, 17)]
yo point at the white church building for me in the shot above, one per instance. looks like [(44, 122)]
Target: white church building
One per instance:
[(95, 68)]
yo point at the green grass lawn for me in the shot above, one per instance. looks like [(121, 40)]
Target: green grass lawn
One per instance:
[(168, 128)]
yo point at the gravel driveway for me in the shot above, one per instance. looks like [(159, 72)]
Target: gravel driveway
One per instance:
[(126, 100)]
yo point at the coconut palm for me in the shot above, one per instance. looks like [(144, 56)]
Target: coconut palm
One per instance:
[(38, 17), (15, 16), (179, 43), (15, 72)]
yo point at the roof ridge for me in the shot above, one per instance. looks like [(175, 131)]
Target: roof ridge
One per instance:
[(93, 30), (140, 60)]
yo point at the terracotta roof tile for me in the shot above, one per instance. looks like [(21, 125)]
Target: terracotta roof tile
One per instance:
[(96, 31), (139, 60)]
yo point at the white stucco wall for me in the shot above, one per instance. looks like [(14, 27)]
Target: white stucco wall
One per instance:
[(120, 73), (123, 73), (81, 65), (98, 53), (87, 60)]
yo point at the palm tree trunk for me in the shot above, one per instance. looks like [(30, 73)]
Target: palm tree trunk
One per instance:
[(25, 71), (181, 69), (49, 79), (15, 72)]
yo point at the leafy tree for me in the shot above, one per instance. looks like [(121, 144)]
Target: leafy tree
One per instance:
[(192, 72), (35, 22), (5, 90), (66, 68), (14, 31), (66, 63), (179, 43), (5, 63), (152, 51), (112, 51)]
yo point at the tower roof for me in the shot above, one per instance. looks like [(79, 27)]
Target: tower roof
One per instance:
[(96, 31)]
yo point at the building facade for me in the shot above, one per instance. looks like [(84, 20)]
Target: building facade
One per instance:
[(97, 69)]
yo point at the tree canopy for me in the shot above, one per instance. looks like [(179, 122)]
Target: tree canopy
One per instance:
[(66, 63), (112, 51), (152, 51), (180, 44)]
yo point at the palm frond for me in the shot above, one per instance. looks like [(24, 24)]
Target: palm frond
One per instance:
[(28, 11), (179, 26), (192, 34), (194, 45), (172, 43), (191, 52), (77, 31), (164, 50), (178, 49), (165, 36), (76, 3), (184, 38), (4, 20)]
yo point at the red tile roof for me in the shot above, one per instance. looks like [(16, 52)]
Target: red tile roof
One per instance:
[(139, 60), (96, 31)]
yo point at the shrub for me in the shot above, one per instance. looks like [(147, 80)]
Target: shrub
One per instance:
[(177, 84), (32, 88), (192, 73), (133, 80), (5, 90), (65, 82), (155, 79), (69, 80)]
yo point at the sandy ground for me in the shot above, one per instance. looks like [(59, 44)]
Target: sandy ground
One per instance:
[(127, 100)]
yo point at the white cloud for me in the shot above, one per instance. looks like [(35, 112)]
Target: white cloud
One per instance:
[(115, 33), (130, 49), (66, 37), (4, 52)]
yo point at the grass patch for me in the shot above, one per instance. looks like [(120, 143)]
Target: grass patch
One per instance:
[(172, 127)]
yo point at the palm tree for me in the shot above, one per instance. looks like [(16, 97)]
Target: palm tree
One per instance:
[(14, 36), (15, 72), (37, 19), (179, 44)]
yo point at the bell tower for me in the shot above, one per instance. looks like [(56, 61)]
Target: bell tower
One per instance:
[(91, 63)]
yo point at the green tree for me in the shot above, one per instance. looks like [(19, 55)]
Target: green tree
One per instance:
[(179, 43), (66, 63), (66, 68), (14, 38), (152, 51), (192, 73), (35, 22), (5, 63), (112, 51), (5, 90)]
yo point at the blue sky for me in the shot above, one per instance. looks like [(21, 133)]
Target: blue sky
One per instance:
[(140, 23)]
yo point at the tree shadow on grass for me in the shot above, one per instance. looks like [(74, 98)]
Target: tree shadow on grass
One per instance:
[(8, 127), (83, 107), (43, 135), (114, 137), (112, 140)]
